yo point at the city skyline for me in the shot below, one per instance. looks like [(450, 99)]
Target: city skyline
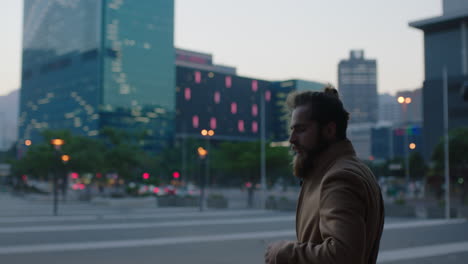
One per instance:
[(263, 44)]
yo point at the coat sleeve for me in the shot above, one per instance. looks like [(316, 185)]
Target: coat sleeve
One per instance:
[(342, 225)]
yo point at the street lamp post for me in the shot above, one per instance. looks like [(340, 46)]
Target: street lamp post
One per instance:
[(202, 153), (57, 144), (446, 144), (207, 134), (405, 101)]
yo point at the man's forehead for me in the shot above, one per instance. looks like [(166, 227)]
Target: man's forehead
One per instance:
[(302, 113)]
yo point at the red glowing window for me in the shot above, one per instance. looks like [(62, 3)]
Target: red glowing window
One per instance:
[(254, 110), (254, 85), (195, 121), (234, 108), (240, 125), (197, 77), (217, 97), (213, 123), (228, 81), (187, 94), (254, 127), (267, 96)]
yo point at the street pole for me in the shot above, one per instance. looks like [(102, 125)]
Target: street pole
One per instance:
[(446, 145), (55, 194), (202, 185), (262, 152), (184, 156), (407, 171)]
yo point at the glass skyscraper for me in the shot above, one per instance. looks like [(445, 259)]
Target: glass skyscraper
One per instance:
[(89, 64)]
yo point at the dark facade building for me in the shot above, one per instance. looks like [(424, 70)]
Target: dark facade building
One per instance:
[(92, 64), (445, 46), (228, 104), (211, 96), (357, 82)]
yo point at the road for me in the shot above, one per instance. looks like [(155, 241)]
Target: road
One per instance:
[(85, 233)]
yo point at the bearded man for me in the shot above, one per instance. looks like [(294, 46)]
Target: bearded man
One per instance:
[(340, 212)]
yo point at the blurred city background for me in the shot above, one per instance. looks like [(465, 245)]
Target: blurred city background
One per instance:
[(125, 118)]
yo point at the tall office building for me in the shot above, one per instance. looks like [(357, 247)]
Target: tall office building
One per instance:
[(445, 47), (357, 83), (90, 64)]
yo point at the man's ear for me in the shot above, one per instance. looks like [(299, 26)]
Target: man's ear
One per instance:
[(329, 131)]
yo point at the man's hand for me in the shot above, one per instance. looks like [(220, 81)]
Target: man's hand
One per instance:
[(272, 252)]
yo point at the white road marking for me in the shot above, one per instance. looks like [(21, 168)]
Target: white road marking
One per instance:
[(159, 215), (423, 223), (141, 242), (202, 222), (384, 256), (422, 252)]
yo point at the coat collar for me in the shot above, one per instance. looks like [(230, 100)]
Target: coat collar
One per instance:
[(328, 157)]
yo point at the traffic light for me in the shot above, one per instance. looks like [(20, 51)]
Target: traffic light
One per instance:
[(176, 175), (145, 175)]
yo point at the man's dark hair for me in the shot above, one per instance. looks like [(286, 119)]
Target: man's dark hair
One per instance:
[(325, 107)]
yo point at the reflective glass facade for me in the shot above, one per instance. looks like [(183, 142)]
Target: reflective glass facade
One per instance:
[(88, 64)]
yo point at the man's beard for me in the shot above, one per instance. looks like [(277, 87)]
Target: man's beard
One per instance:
[(303, 163)]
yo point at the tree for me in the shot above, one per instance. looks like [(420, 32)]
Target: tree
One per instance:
[(239, 162), (458, 145), (418, 166)]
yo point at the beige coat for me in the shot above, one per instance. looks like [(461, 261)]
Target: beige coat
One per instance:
[(340, 213)]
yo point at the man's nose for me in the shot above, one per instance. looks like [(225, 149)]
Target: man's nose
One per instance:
[(292, 138)]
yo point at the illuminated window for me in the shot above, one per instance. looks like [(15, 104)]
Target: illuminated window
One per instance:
[(213, 123), (254, 85), (254, 110), (233, 108), (195, 121), (254, 127), (268, 96), (240, 125), (197, 77), (228, 81), (217, 97), (187, 94)]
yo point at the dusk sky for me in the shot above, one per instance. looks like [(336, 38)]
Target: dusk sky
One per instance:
[(279, 39)]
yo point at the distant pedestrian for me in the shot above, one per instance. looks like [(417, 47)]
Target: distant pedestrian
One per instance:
[(340, 212)]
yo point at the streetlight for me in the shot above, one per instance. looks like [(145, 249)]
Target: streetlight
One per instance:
[(202, 153), (207, 134), (405, 101), (65, 158), (57, 144)]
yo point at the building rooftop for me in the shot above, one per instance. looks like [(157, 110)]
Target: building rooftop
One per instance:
[(446, 18)]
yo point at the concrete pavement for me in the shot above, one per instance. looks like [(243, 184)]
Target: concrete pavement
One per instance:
[(86, 233)]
